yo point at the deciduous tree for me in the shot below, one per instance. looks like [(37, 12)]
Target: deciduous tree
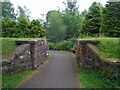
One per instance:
[(72, 19), (7, 10), (55, 29)]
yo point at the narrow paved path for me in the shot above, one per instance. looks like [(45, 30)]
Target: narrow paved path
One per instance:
[(58, 73)]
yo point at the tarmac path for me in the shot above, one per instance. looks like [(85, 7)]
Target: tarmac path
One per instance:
[(59, 72)]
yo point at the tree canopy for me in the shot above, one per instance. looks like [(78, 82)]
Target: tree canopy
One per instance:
[(55, 29), (112, 19), (72, 19), (7, 10), (62, 25), (92, 20)]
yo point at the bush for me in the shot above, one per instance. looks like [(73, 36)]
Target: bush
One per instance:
[(64, 45), (22, 29), (52, 46)]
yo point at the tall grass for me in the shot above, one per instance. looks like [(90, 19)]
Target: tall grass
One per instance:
[(98, 79), (109, 47)]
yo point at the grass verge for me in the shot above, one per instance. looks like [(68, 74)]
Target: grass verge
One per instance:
[(109, 47), (90, 78), (12, 80), (8, 46)]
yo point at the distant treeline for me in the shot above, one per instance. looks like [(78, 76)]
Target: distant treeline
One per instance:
[(62, 25)]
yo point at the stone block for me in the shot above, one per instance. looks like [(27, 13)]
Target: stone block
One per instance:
[(22, 49), (27, 56), (38, 49), (20, 42), (5, 62)]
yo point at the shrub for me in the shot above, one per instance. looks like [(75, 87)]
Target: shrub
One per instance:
[(52, 46), (64, 45), (22, 29)]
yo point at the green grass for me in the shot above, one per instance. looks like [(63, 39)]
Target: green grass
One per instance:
[(98, 79), (0, 80), (109, 47), (95, 79), (8, 46), (12, 80)]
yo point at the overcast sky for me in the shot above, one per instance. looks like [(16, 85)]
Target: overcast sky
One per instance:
[(38, 7)]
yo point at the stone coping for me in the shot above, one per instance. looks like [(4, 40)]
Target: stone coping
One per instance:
[(83, 41), (19, 42)]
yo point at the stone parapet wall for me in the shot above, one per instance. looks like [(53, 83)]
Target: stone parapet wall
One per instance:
[(89, 56), (82, 51), (40, 52), (27, 56)]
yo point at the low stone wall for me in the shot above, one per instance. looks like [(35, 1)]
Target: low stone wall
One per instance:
[(89, 56), (28, 56)]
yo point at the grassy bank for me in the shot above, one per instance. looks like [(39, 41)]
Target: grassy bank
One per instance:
[(12, 80), (97, 79), (8, 46), (109, 47), (91, 78)]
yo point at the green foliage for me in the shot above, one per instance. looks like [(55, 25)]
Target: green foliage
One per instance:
[(108, 46), (12, 80), (8, 46), (22, 29), (92, 20), (56, 30), (64, 45), (72, 25), (71, 8), (112, 19), (7, 10), (48, 16), (23, 13), (98, 79), (60, 46), (103, 21), (36, 29), (72, 19)]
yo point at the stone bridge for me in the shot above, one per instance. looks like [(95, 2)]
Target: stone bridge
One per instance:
[(89, 56), (27, 56), (31, 53)]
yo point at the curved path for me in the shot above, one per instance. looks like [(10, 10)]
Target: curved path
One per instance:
[(58, 73)]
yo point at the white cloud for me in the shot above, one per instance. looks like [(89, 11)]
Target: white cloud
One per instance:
[(38, 7)]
